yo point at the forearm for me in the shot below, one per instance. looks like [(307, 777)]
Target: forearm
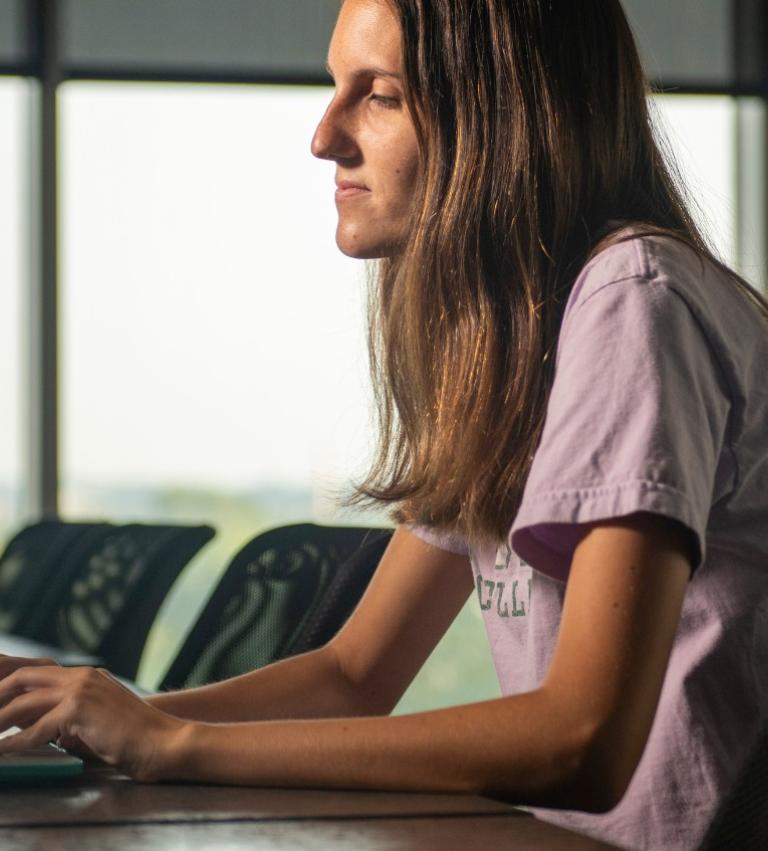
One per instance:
[(311, 685), (518, 748)]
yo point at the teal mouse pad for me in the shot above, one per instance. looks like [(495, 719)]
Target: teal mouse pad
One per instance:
[(46, 762)]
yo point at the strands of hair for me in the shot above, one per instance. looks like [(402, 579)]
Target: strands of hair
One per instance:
[(535, 136)]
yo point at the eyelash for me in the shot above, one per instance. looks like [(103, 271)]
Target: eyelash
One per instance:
[(385, 102)]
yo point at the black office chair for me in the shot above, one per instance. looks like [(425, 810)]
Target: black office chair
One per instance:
[(29, 562), (103, 598), (741, 821), (272, 600), (343, 593)]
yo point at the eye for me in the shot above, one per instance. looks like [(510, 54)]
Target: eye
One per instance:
[(385, 102)]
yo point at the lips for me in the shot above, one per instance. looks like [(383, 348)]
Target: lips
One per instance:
[(350, 189), (350, 184)]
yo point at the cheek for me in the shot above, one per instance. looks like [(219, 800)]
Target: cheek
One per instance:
[(393, 155), (405, 170)]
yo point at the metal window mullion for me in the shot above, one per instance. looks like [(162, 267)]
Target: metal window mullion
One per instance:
[(750, 31), (42, 306), (752, 189)]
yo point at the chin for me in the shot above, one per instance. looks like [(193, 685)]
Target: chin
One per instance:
[(362, 253), (353, 245)]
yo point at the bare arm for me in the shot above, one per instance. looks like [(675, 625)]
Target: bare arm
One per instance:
[(400, 616), (574, 742)]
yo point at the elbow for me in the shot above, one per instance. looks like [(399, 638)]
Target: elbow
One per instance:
[(602, 772), (582, 771), (595, 758), (598, 795)]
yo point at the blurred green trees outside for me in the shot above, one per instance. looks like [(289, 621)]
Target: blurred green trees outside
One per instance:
[(460, 669)]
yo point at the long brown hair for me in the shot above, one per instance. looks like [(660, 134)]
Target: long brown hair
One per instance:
[(534, 134)]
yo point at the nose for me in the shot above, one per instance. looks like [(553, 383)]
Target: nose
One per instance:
[(333, 139)]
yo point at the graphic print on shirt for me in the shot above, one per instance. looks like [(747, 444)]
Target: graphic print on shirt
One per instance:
[(508, 593)]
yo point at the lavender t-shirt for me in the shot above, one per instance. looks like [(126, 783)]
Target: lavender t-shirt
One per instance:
[(660, 404)]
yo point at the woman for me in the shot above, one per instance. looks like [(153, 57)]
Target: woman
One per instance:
[(572, 425)]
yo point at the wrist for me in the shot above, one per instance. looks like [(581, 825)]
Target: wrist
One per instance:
[(172, 755)]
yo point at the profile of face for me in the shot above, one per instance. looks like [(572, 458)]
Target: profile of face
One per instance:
[(368, 132)]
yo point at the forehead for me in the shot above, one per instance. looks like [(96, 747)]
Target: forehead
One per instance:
[(367, 34)]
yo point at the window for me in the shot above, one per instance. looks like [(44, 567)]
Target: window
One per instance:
[(701, 130), (13, 168), (212, 346)]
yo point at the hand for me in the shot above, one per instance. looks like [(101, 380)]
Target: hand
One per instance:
[(84, 710), (8, 664)]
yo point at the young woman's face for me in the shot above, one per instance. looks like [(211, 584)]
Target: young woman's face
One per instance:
[(367, 131)]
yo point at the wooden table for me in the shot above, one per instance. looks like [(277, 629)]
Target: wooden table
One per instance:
[(105, 810)]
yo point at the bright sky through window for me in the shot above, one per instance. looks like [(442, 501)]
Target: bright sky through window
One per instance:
[(212, 331)]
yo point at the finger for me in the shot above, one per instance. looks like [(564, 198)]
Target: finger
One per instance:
[(28, 708), (19, 661), (69, 679), (34, 677), (26, 679), (9, 664), (45, 730)]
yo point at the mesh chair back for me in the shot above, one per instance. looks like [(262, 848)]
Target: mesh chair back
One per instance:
[(29, 562), (342, 595), (741, 821), (263, 602), (104, 599)]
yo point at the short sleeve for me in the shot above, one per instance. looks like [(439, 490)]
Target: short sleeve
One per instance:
[(450, 543), (636, 421)]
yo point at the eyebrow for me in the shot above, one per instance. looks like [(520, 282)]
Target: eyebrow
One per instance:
[(373, 71)]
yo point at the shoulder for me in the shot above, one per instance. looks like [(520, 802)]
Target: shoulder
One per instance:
[(659, 282), (630, 291), (653, 260)]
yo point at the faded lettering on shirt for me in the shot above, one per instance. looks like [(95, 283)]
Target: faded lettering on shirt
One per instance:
[(508, 593)]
